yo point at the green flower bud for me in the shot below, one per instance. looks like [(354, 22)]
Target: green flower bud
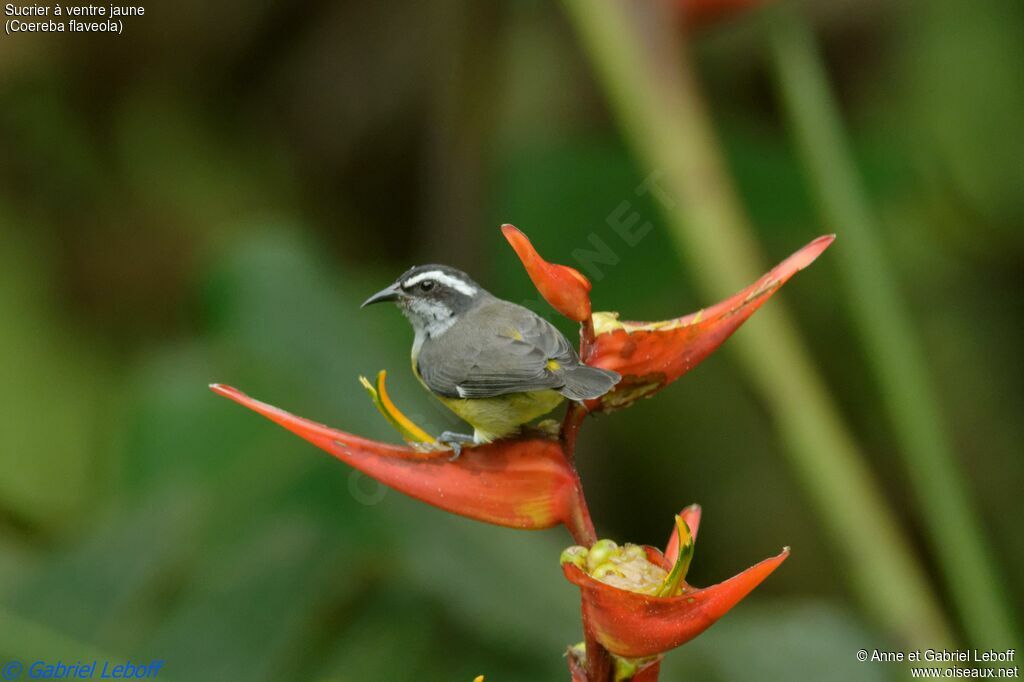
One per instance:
[(600, 553), (604, 570), (634, 552), (625, 567), (575, 555)]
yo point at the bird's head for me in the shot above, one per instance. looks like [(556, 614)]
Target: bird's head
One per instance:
[(432, 297)]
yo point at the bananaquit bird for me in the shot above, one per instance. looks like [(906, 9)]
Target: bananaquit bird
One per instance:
[(495, 364)]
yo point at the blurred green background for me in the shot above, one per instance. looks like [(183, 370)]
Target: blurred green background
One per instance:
[(210, 196)]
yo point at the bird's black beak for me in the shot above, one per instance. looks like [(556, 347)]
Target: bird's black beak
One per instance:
[(388, 294)]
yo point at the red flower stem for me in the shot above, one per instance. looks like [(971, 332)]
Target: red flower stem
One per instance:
[(574, 416), (586, 338), (599, 661), (599, 667), (577, 412), (580, 525)]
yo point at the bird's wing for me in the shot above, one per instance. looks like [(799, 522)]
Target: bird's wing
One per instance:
[(497, 349)]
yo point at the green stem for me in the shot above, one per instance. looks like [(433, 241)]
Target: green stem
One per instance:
[(880, 314), (649, 81)]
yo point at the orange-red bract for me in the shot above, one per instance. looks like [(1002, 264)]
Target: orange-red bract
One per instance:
[(524, 484), (637, 625), (651, 355), (565, 288)]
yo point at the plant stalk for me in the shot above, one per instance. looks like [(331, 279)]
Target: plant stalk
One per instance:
[(599, 662), (599, 666), (635, 49), (954, 531)]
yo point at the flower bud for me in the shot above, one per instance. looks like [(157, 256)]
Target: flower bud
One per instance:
[(600, 553), (575, 555)]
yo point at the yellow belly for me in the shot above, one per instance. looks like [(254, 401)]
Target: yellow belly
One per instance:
[(500, 417)]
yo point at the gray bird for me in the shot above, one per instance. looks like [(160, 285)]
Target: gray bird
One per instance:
[(495, 364)]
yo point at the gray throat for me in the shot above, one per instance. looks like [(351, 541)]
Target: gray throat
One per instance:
[(429, 321)]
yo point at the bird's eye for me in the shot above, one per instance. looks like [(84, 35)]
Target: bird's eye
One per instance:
[(426, 285)]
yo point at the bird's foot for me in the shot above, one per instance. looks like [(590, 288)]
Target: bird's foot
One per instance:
[(455, 441)]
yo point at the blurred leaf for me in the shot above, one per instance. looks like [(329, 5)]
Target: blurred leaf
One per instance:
[(507, 584), (586, 205), (251, 602), (391, 621), (53, 389), (26, 639), (191, 172), (93, 590), (780, 641), (17, 562), (967, 103), (48, 145), (426, 643)]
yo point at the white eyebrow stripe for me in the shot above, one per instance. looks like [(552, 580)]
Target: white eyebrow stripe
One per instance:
[(443, 278)]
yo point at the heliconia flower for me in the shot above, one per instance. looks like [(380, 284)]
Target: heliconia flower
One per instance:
[(651, 355), (565, 288), (629, 611), (523, 483)]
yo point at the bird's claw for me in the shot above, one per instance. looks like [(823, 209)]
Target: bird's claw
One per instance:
[(454, 441)]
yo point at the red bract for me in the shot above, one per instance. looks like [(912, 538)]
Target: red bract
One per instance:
[(651, 355), (524, 484), (563, 287), (638, 625)]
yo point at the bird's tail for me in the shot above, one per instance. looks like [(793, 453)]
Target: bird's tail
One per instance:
[(586, 383)]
